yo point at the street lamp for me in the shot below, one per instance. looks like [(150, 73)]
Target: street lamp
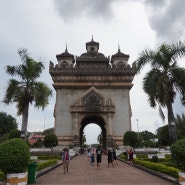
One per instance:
[(137, 128)]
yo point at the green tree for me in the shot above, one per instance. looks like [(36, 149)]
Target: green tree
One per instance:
[(50, 141), (164, 79), (27, 90), (48, 131), (163, 136), (38, 143), (180, 120), (14, 134), (7, 123), (146, 135), (130, 138)]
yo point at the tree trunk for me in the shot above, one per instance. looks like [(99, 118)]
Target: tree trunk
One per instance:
[(171, 124), (25, 121)]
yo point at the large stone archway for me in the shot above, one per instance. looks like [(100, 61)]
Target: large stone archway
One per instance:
[(89, 88)]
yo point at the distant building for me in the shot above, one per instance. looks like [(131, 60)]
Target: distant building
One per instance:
[(33, 138)]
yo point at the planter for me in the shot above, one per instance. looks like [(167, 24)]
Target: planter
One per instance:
[(182, 178), (17, 178)]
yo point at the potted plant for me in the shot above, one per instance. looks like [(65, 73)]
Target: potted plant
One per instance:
[(15, 156)]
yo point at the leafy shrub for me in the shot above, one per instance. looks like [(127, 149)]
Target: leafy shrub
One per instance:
[(49, 157), (168, 156), (15, 156), (178, 153), (154, 159), (2, 176), (159, 167), (46, 164), (141, 156), (124, 156)]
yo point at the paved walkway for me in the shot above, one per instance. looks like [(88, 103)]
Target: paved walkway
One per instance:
[(82, 173)]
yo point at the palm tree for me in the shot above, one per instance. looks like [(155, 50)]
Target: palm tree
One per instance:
[(27, 90), (164, 79)]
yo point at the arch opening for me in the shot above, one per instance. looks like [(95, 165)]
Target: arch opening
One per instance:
[(95, 120)]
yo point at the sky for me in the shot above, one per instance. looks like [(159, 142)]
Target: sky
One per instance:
[(45, 27)]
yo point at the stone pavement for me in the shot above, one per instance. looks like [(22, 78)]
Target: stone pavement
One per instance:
[(82, 173)]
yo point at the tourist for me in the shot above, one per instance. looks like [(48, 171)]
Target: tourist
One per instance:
[(88, 154), (65, 160), (98, 156), (131, 157), (92, 159), (109, 157), (114, 157)]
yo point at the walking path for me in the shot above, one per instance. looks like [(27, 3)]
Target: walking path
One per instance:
[(82, 173)]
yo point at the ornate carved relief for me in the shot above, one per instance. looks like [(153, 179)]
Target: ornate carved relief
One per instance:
[(93, 101)]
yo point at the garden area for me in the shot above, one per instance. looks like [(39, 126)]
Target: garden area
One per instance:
[(170, 164)]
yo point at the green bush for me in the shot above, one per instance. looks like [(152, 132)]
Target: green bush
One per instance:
[(49, 157), (15, 156), (2, 176), (168, 156), (154, 159), (178, 153), (142, 156), (46, 164), (124, 156), (159, 167)]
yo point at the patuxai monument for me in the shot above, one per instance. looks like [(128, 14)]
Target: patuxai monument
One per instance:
[(92, 88)]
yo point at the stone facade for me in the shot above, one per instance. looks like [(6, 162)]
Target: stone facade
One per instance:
[(92, 88)]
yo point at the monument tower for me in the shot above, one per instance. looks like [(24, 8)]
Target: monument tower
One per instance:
[(92, 88)]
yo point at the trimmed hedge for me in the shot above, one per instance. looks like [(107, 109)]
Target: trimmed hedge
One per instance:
[(49, 157), (46, 164), (158, 167)]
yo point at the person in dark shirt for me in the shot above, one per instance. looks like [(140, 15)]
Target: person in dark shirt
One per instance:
[(114, 157), (109, 157), (98, 156), (131, 156)]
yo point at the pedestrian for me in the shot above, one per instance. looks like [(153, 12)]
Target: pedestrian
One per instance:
[(88, 154), (98, 157), (131, 156), (114, 157), (92, 159), (65, 160), (109, 157)]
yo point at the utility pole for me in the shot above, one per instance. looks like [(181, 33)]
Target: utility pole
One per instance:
[(44, 123), (137, 128)]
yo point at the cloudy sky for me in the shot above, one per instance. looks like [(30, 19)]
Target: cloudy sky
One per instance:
[(45, 26)]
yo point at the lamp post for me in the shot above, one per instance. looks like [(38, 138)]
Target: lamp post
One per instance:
[(137, 128)]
